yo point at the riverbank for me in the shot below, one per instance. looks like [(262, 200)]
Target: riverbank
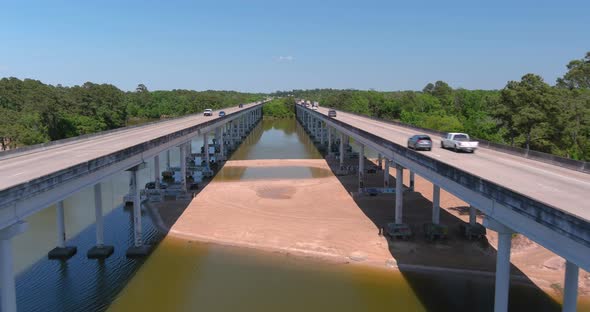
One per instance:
[(320, 216)]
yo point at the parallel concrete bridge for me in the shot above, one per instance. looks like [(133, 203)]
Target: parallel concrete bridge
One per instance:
[(547, 203)]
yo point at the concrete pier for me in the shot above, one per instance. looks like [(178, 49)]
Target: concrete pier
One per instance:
[(386, 174), (100, 251), (61, 251), (399, 193), (139, 249), (361, 168), (7, 282), (435, 204), (570, 295)]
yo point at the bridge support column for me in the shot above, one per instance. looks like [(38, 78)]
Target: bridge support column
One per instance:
[(239, 131), (61, 252), (329, 140), (386, 174), (399, 193), (411, 181), (570, 295), (361, 168), (502, 263), (183, 167), (341, 150), (472, 215), (322, 137), (100, 251), (167, 159), (157, 172), (206, 149), (7, 283), (435, 204), (379, 161), (221, 145), (140, 249)]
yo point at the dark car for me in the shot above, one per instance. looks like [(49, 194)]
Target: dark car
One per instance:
[(420, 142), (241, 105), (332, 113), (221, 113)]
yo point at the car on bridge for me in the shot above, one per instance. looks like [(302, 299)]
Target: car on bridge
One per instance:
[(332, 113), (208, 112), (241, 105), (420, 142), (221, 113), (459, 142)]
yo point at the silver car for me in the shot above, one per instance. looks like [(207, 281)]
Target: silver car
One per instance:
[(420, 142)]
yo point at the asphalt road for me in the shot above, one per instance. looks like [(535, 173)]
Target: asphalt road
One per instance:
[(562, 188), (37, 163)]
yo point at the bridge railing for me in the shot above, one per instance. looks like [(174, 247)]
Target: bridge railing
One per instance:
[(41, 146), (578, 165), (558, 220)]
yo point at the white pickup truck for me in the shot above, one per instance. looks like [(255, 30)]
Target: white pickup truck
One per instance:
[(459, 142)]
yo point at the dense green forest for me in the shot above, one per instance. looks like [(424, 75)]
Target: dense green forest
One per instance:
[(33, 112), (528, 113), (279, 108)]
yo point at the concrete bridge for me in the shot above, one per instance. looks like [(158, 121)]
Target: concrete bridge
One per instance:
[(34, 178), (542, 201)]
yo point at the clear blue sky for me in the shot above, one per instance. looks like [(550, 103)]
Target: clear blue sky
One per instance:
[(269, 45)]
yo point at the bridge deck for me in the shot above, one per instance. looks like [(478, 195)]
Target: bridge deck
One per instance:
[(37, 163), (564, 189)]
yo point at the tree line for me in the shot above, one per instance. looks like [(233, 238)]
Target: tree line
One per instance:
[(528, 113), (32, 112)]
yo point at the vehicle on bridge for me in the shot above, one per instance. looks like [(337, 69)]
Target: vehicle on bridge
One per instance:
[(221, 113), (459, 142), (208, 112), (241, 105), (332, 113), (420, 141)]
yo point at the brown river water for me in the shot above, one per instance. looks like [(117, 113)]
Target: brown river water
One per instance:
[(183, 275)]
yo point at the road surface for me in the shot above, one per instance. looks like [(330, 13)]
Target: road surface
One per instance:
[(37, 163), (562, 188)]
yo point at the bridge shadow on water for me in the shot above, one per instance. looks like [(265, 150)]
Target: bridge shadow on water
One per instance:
[(469, 284), (82, 284)]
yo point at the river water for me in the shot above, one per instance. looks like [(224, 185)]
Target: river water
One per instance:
[(184, 275)]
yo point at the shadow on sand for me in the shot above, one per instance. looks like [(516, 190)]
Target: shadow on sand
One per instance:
[(469, 284)]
